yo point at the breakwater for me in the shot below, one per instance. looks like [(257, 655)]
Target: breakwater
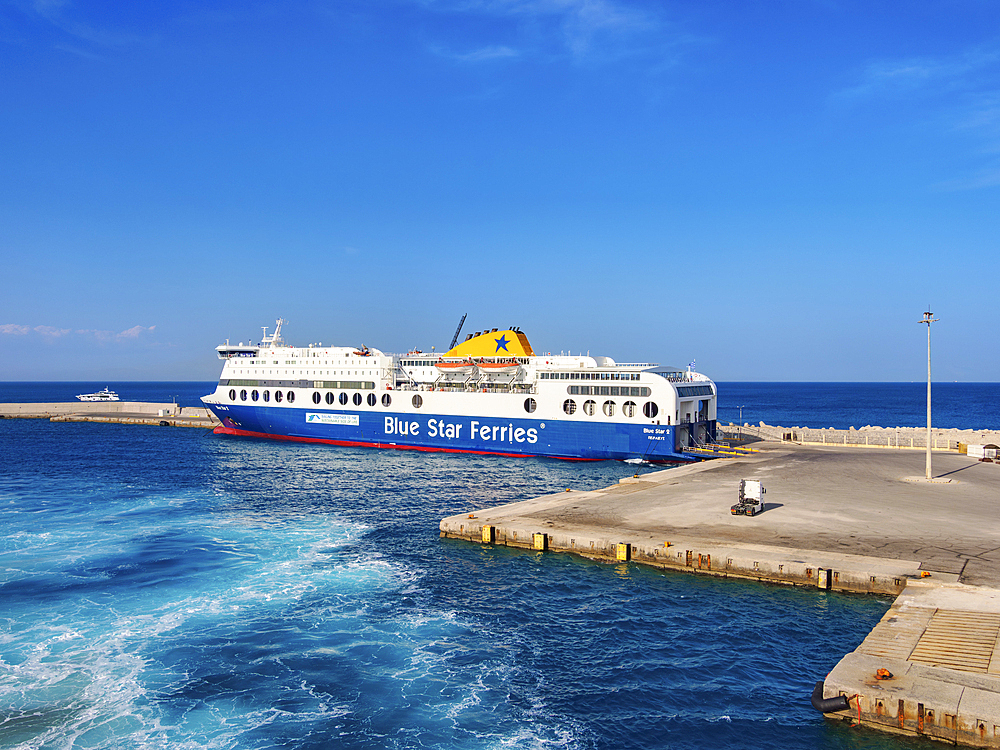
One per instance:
[(914, 438), (116, 412)]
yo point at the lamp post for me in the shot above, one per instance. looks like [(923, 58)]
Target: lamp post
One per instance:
[(928, 319)]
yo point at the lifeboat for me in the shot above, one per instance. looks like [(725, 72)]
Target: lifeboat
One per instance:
[(461, 367), (502, 366)]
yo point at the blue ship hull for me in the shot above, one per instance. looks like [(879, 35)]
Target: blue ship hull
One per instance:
[(455, 434)]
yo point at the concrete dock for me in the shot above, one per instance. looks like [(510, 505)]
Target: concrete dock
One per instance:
[(117, 412), (837, 518)]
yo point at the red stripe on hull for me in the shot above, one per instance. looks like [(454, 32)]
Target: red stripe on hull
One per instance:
[(223, 430)]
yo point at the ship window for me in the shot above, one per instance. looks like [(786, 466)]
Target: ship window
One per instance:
[(267, 396), (329, 398), (386, 399), (316, 397), (417, 401), (650, 410), (277, 397), (609, 408), (254, 394), (605, 391), (574, 390), (291, 396), (628, 408), (357, 399), (569, 406), (343, 399), (243, 395), (530, 405), (371, 399), (589, 407), (232, 394)]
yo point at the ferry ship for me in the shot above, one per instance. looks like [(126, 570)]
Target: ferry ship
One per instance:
[(490, 394)]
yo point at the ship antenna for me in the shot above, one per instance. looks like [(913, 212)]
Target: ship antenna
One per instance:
[(457, 331)]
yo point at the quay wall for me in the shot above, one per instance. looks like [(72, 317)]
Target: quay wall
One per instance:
[(909, 438), (823, 570)]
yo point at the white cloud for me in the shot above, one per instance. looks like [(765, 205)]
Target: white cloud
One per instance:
[(985, 178), (134, 332), (968, 70), (492, 52), (15, 329), (957, 93), (588, 29), (63, 15), (50, 331), (19, 330), (130, 333)]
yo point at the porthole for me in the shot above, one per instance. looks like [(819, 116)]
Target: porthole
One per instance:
[(569, 406), (372, 400), (232, 394), (243, 395), (277, 397), (530, 405), (417, 401), (316, 397), (386, 399), (329, 398), (589, 407), (267, 396), (343, 399), (291, 396), (609, 408), (255, 394), (650, 410), (628, 409), (357, 399)]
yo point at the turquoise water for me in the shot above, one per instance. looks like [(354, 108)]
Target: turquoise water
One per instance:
[(166, 587)]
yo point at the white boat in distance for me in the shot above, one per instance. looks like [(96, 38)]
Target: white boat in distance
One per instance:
[(105, 395)]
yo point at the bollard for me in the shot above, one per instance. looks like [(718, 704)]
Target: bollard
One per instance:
[(489, 533), (823, 578)]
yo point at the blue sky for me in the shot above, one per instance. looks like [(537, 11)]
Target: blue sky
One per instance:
[(777, 190)]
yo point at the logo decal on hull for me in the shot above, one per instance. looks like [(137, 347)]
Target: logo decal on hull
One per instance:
[(348, 419)]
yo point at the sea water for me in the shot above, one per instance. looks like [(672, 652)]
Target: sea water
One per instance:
[(842, 405), (167, 587)]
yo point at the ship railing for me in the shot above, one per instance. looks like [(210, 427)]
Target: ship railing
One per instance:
[(473, 387), (684, 377)]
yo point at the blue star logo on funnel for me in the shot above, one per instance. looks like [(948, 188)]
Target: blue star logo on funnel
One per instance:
[(502, 343)]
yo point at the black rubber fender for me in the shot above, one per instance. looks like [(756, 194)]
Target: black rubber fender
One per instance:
[(828, 705)]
